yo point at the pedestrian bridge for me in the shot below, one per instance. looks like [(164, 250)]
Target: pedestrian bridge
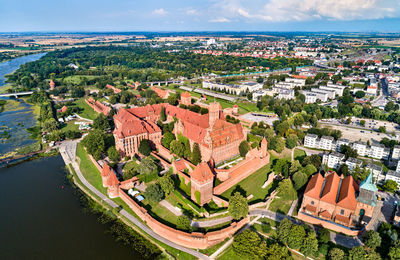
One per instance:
[(16, 94)]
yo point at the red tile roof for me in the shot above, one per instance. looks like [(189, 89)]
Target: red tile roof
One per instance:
[(310, 208), (342, 220), (186, 94), (314, 186), (224, 132), (160, 92), (202, 173), (347, 194), (330, 190)]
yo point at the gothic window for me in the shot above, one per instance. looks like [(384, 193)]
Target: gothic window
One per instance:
[(342, 212), (312, 202)]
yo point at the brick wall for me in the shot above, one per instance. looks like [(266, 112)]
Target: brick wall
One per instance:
[(192, 240), (240, 171), (220, 202), (95, 163)]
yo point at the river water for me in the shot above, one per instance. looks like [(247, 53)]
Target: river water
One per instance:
[(41, 216)]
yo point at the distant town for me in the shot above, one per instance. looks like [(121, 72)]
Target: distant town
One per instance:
[(222, 146)]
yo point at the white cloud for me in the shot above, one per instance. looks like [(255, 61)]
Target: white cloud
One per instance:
[(160, 11), (191, 12), (305, 10), (220, 20)]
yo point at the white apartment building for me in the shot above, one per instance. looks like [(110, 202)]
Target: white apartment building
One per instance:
[(286, 93), (396, 152), (378, 151), (310, 98), (251, 86), (330, 93), (377, 172), (394, 176), (297, 82), (337, 88), (340, 142), (352, 163), (333, 160), (287, 85), (398, 167), (318, 95), (311, 141), (260, 93), (326, 143), (361, 148)]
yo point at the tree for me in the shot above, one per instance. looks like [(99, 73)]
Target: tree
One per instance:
[(94, 143), (269, 133), (145, 147), (166, 183), (382, 129), (154, 193), (163, 116), (299, 179), (360, 94), (314, 159), (362, 122), (248, 245), (394, 253), (101, 123), (291, 141), (295, 166), (244, 148), (77, 92), (183, 223), (336, 254), (310, 244), (167, 138), (357, 253), (277, 252), (113, 154), (372, 239), (324, 236), (344, 170), (50, 125), (310, 170), (286, 190), (177, 148), (196, 154), (238, 207), (281, 166), (296, 236), (147, 166), (390, 185), (283, 230), (348, 151), (277, 144)]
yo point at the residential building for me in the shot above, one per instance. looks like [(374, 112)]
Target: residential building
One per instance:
[(297, 82), (377, 172), (398, 166), (334, 202), (378, 151), (337, 88), (396, 152), (326, 143), (310, 98), (333, 160), (323, 97), (330, 93), (286, 94), (311, 141), (394, 176), (340, 142), (260, 93), (352, 163), (361, 148)]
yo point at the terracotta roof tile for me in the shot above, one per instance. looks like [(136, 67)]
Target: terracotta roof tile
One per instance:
[(330, 189), (314, 186), (202, 173), (347, 194)]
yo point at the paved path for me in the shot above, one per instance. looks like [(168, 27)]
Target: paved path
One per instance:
[(309, 151), (292, 207), (339, 239), (67, 150), (230, 241), (83, 118), (211, 222), (170, 207)]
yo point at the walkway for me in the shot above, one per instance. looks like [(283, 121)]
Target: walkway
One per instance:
[(230, 241), (67, 150), (83, 118), (211, 222), (339, 239), (176, 211)]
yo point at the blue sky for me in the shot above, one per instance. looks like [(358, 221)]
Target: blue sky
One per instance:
[(199, 15)]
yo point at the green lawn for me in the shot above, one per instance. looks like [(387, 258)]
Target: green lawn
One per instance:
[(245, 107), (229, 254), (280, 205), (77, 79), (252, 185), (70, 126), (299, 154), (87, 111), (89, 171)]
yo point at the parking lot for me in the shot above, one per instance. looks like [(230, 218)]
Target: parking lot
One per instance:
[(355, 131)]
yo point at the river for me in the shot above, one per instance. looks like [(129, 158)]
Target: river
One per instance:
[(41, 215), (42, 218)]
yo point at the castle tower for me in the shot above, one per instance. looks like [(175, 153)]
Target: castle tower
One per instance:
[(202, 179), (186, 98), (214, 112), (263, 148)]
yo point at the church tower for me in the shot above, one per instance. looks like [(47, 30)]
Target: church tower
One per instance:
[(214, 112)]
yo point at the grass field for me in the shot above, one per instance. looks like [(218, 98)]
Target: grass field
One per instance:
[(70, 126), (229, 254), (89, 171), (280, 205), (87, 111), (299, 154), (77, 79), (252, 185)]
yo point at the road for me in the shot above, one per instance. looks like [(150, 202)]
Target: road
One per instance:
[(211, 222), (68, 152), (339, 239)]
